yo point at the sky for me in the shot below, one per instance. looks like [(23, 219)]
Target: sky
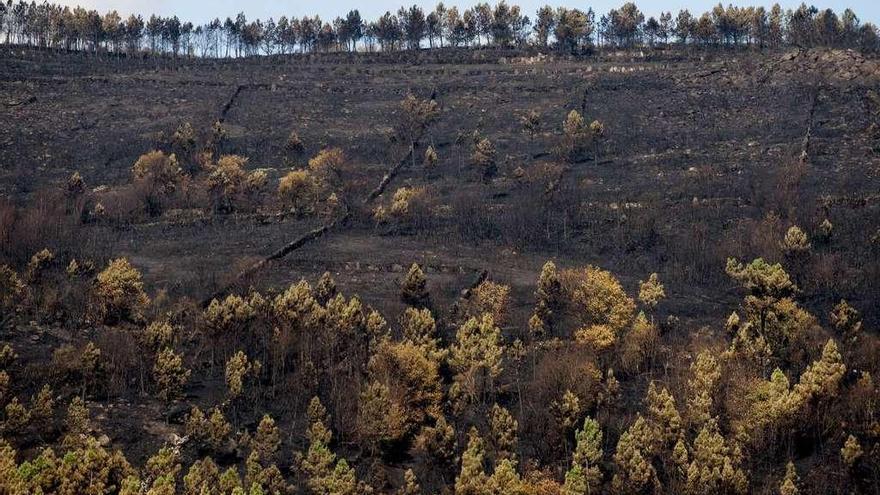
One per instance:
[(202, 11)]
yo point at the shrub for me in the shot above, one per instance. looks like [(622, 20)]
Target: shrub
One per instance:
[(483, 157), (402, 205), (38, 262), (327, 166), (119, 292), (294, 144), (75, 186), (228, 183), (298, 190), (11, 288), (531, 123), (430, 160), (158, 175), (183, 144), (795, 242)]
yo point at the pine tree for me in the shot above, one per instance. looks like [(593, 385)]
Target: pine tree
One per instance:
[(42, 405), (161, 471), (822, 378), (505, 480), (119, 292), (846, 321), (790, 481), (318, 419), (504, 434), (567, 410), (634, 473), (705, 374), (76, 424), (170, 375), (663, 416), (238, 368), (585, 476), (410, 484), (651, 292), (16, 418), (413, 289), (472, 479), (325, 289), (203, 477), (324, 473), (266, 441), (851, 452), (476, 357), (484, 158), (549, 298), (714, 468)]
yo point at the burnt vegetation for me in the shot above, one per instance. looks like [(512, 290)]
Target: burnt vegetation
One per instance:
[(473, 254)]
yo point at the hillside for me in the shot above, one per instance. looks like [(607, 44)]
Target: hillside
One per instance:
[(695, 157)]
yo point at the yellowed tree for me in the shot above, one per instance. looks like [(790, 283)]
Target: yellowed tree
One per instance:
[(603, 307), (414, 287), (639, 343), (851, 452), (585, 476), (229, 182), (119, 292), (169, 374), (789, 485), (504, 437), (238, 369), (702, 387), (472, 479), (11, 290), (412, 378), (484, 157), (651, 292), (663, 417), (327, 167), (846, 321), (158, 176), (633, 471), (298, 191), (714, 467), (476, 358)]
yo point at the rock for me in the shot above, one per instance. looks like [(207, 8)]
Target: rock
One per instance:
[(103, 440)]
